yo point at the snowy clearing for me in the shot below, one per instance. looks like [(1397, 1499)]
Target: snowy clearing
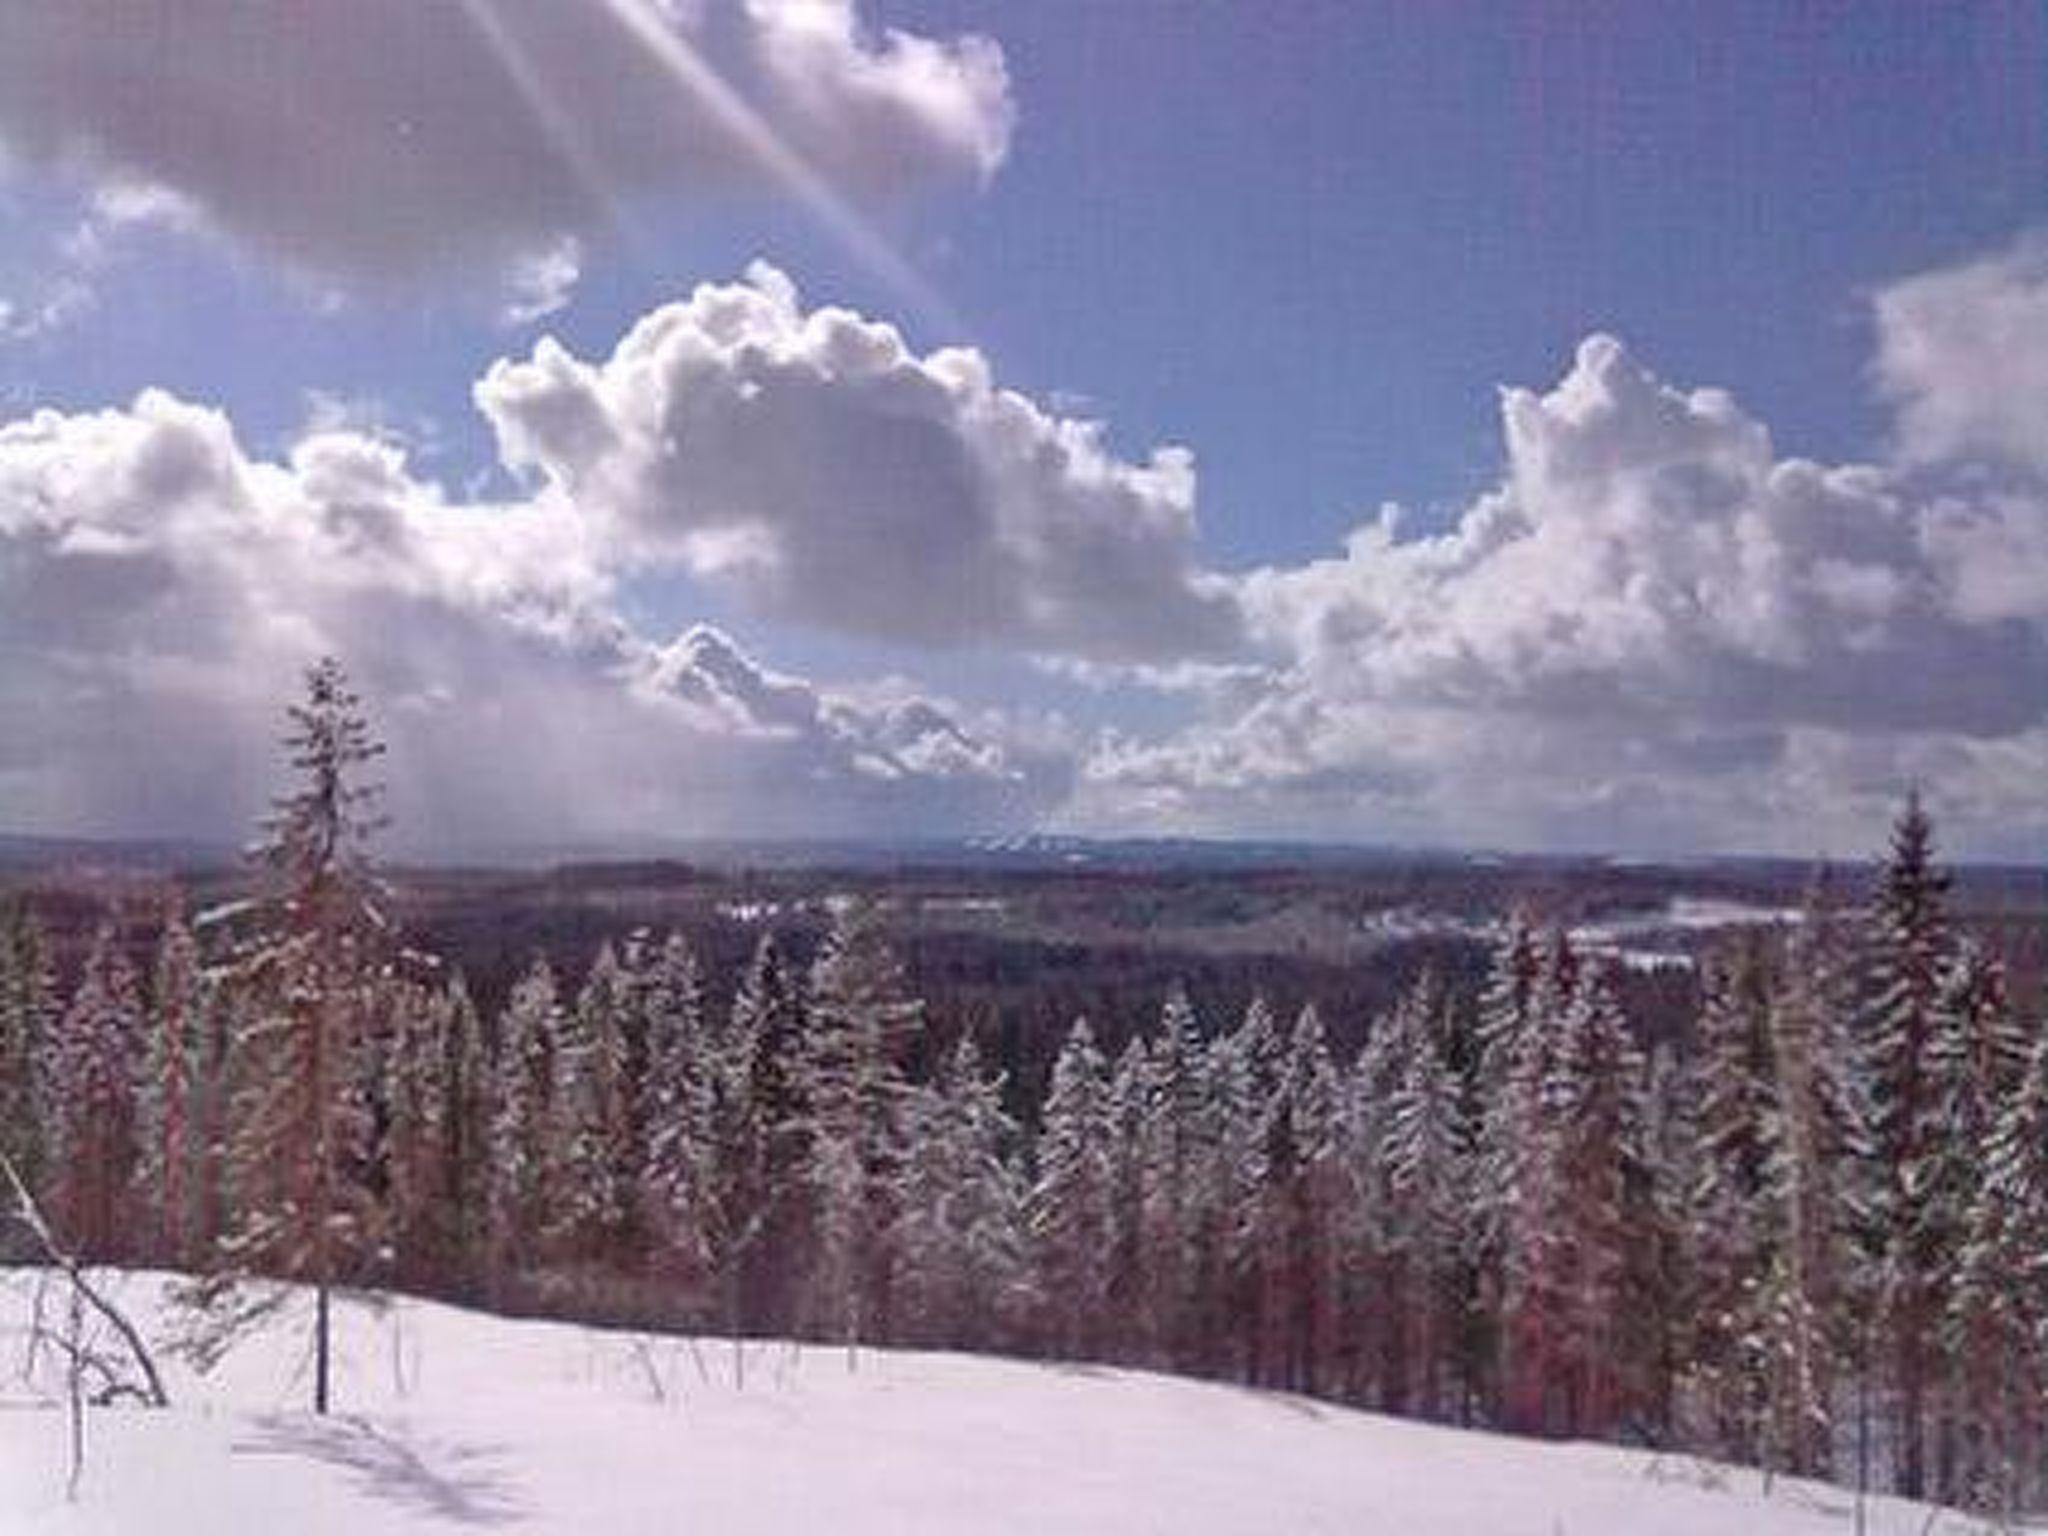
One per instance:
[(455, 1420)]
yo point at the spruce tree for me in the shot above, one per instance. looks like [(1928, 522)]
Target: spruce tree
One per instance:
[(168, 1089), (1996, 1327), (863, 1020), (302, 1117), (522, 1161), (957, 1208), (27, 1007), (770, 1215), (90, 1104), (1072, 1208), (678, 1194), (1909, 949), (1169, 1153)]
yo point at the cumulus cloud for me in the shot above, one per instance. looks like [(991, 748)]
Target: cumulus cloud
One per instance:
[(812, 463), (1654, 629), (381, 138), (1963, 352), (1649, 556), (1657, 630), (160, 589)]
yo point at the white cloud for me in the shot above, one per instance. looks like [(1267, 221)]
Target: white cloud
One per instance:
[(159, 590), (1963, 352), (542, 283), (380, 138), (1655, 631), (814, 464)]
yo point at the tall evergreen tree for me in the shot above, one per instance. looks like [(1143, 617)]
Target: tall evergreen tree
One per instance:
[(520, 1182), (678, 1193), (958, 1210), (28, 1004), (1072, 1209), (302, 1122), (90, 1106), (168, 1088), (1169, 1155), (1735, 1228), (1602, 1206), (1996, 1326), (769, 1213), (863, 1020), (1910, 944), (1535, 1300), (1812, 1188)]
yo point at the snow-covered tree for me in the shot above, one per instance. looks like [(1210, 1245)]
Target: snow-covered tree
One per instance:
[(1170, 1153), (1909, 949), (1735, 1227), (1300, 1198), (520, 1182), (863, 1019), (413, 1102), (1072, 1210), (762, 1136), (957, 1233), (27, 1007), (588, 1219), (90, 1106), (301, 1117), (1996, 1326), (1812, 1187), (677, 1192), (167, 1089), (1602, 1204), (1535, 1300), (1427, 1149), (465, 1129)]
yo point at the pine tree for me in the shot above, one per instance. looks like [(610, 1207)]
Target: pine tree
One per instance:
[(1812, 1189), (1735, 1228), (1239, 1069), (1535, 1303), (520, 1181), (1975, 1060), (1299, 1215), (1428, 1155), (465, 1131), (414, 1100), (91, 1106), (1996, 1326), (1909, 951), (587, 1223), (302, 1120), (1169, 1153), (1072, 1210), (769, 1214), (958, 1210), (862, 1020), (1602, 1199), (1129, 1091), (27, 1006), (168, 1089), (678, 1195)]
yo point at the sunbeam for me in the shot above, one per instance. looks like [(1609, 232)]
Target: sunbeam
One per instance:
[(560, 128), (709, 90)]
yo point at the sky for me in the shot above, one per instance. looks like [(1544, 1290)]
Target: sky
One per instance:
[(1595, 427)]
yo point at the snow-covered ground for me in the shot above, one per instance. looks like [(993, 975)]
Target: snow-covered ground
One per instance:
[(451, 1421)]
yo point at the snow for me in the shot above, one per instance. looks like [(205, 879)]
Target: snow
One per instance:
[(449, 1420)]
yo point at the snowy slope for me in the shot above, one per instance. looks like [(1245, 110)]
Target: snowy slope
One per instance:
[(455, 1421)]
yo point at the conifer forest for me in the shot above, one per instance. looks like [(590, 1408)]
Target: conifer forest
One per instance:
[(1806, 1232)]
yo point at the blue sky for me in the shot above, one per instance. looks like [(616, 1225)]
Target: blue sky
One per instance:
[(1310, 244)]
